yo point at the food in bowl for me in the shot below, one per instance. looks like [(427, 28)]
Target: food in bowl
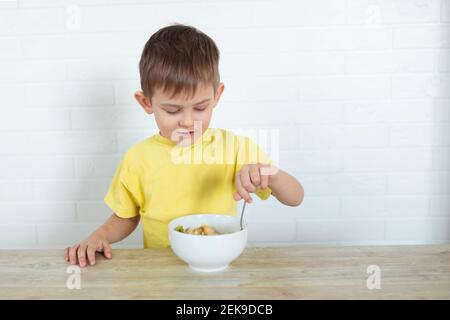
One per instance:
[(203, 230), (208, 253)]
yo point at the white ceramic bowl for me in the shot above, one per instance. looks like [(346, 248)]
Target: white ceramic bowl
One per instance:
[(208, 253)]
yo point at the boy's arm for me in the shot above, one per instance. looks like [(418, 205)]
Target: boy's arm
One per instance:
[(116, 228), (286, 188)]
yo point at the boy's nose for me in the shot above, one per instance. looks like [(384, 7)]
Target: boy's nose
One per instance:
[(187, 122)]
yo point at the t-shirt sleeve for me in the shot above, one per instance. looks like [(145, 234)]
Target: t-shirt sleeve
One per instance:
[(249, 152), (124, 195)]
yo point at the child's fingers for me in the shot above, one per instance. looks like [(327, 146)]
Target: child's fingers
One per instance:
[(66, 254), (264, 181), (255, 176), (241, 190), (73, 254), (246, 182), (91, 254), (82, 255), (107, 250), (236, 196)]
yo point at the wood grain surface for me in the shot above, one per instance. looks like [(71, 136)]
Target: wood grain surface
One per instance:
[(300, 272)]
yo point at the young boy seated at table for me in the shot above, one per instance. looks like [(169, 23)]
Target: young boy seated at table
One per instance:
[(187, 167)]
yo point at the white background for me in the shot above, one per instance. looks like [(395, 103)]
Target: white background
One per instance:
[(359, 90)]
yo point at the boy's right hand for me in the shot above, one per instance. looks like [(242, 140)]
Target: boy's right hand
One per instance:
[(84, 252)]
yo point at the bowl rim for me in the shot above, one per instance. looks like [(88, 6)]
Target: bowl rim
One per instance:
[(244, 229)]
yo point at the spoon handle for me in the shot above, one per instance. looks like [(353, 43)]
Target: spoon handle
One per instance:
[(242, 213)]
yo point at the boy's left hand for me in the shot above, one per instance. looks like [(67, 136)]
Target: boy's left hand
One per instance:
[(249, 179)]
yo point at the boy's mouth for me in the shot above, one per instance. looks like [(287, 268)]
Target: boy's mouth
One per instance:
[(186, 134)]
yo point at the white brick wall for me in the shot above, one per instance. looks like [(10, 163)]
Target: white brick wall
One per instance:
[(359, 90)]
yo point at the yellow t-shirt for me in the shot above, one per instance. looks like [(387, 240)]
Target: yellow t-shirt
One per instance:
[(161, 181)]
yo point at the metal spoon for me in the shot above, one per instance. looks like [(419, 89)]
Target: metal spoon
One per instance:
[(242, 214)]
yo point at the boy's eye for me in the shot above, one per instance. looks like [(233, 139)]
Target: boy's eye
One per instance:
[(173, 112)]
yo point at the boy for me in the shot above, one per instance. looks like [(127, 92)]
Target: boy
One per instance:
[(158, 180)]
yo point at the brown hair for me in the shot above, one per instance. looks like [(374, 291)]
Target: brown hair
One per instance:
[(178, 58)]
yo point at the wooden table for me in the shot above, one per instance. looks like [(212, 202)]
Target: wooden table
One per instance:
[(301, 272)]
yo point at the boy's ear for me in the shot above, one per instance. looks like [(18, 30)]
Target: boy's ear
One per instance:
[(143, 101), (218, 93)]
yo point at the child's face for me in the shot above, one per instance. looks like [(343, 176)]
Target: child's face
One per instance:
[(180, 115)]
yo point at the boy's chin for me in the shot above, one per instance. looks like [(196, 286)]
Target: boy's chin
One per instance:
[(185, 142)]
